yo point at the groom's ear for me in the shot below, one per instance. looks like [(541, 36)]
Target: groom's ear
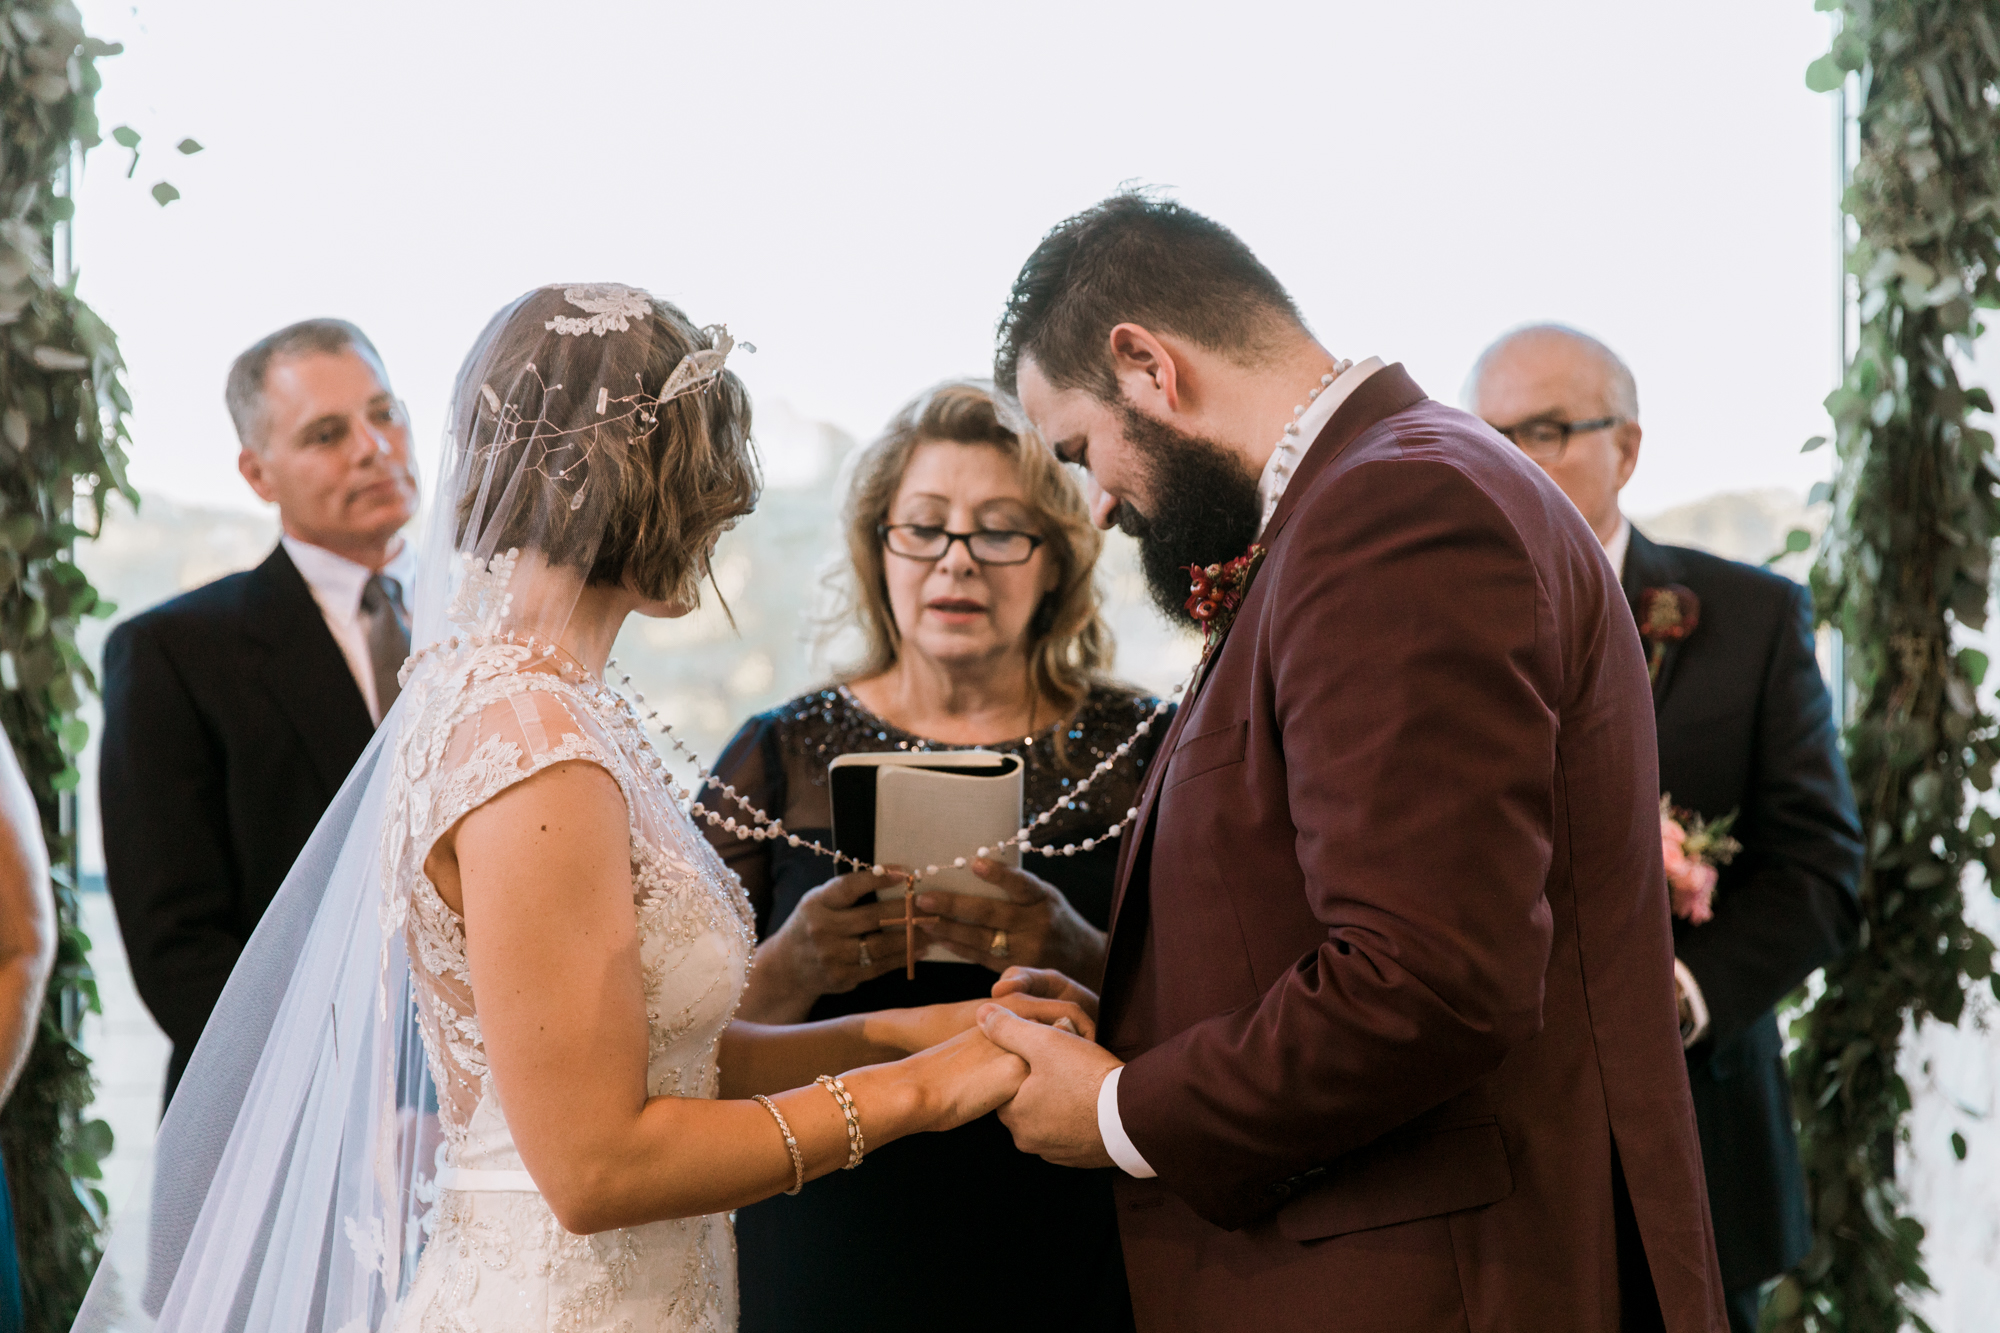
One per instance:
[(1146, 370)]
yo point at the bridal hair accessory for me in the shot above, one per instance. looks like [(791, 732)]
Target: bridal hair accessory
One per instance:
[(791, 1144), (610, 305), (613, 308)]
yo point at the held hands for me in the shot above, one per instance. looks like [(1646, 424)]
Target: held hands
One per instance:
[(1053, 1113), (1040, 927)]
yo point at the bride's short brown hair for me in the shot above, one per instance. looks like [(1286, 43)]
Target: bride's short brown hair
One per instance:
[(643, 515), (1070, 648)]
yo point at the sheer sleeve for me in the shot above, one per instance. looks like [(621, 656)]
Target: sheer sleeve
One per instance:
[(753, 764)]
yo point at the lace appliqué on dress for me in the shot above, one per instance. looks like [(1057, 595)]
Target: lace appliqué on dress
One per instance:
[(479, 720)]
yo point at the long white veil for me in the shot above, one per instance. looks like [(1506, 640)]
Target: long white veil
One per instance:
[(295, 1167)]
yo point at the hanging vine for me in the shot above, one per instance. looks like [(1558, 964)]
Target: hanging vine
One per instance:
[(62, 438), (1906, 561)]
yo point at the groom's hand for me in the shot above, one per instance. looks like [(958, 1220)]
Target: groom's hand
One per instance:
[(1054, 1115), (1047, 984)]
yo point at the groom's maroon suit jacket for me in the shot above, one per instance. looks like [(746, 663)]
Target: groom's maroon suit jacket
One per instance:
[(1391, 960)]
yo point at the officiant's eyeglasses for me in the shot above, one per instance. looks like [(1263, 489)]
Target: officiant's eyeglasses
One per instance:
[(988, 546), (1544, 440)]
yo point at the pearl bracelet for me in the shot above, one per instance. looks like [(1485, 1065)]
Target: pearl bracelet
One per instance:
[(855, 1145), (791, 1144)]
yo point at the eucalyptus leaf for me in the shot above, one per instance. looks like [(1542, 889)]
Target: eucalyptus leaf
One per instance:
[(164, 194), (188, 146)]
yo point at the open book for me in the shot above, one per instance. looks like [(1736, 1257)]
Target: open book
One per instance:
[(917, 809)]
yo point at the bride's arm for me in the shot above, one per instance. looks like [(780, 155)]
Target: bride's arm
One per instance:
[(543, 875)]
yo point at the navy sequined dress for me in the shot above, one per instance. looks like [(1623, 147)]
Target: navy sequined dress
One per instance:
[(918, 1237)]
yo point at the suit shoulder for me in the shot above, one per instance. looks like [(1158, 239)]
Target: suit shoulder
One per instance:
[(213, 606), (1719, 577)]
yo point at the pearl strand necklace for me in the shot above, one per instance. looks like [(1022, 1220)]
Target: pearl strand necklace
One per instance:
[(763, 826), (1282, 461)]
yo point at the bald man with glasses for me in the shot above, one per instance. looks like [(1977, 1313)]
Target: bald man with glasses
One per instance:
[(1745, 728)]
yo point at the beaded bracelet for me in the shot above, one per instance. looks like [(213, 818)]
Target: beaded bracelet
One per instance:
[(791, 1144), (855, 1145)]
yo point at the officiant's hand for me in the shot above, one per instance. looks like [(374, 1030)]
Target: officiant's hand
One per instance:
[(831, 943), (916, 1029), (1035, 926), (1054, 1114)]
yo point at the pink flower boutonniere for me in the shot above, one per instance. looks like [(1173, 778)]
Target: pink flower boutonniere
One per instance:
[(1218, 590), (1693, 848), (1666, 615)]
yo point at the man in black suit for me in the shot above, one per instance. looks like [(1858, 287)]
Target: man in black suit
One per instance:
[(1745, 727), (233, 713)]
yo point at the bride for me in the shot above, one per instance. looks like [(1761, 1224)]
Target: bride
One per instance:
[(477, 1070)]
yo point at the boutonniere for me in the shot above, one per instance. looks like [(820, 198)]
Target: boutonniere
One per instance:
[(1218, 590), (1693, 848), (1666, 615)]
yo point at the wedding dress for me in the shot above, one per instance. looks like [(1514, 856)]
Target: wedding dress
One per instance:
[(481, 719), (335, 1159)]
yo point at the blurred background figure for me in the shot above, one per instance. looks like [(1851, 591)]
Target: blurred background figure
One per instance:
[(27, 951), (233, 713), (969, 574), (1745, 729)]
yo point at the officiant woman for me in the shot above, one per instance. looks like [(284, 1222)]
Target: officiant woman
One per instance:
[(969, 576)]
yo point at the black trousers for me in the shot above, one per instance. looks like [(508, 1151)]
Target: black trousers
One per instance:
[(1743, 1305)]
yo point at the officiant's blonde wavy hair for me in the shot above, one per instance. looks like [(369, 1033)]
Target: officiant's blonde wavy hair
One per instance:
[(1070, 646)]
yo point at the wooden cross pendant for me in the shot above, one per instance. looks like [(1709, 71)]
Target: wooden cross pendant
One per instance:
[(909, 921)]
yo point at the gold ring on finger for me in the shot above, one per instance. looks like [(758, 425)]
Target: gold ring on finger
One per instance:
[(999, 947), (867, 960)]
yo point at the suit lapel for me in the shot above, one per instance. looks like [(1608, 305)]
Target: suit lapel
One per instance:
[(1383, 394), (1649, 565), (304, 670)]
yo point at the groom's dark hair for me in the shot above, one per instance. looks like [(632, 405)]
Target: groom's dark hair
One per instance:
[(1143, 260)]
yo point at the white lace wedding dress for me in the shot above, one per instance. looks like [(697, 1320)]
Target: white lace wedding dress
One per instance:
[(480, 717)]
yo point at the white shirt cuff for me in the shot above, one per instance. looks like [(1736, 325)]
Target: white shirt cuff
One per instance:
[(1697, 1008), (1112, 1130)]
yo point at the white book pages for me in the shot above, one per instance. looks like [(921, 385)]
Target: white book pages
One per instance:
[(925, 818)]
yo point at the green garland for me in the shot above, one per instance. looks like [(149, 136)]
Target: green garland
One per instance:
[(1907, 558), (62, 437)]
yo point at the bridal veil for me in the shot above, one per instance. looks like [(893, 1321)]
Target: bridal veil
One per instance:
[(295, 1171)]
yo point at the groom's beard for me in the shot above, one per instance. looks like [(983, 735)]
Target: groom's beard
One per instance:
[(1203, 508)]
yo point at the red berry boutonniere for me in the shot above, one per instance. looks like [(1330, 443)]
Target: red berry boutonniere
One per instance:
[(1666, 615), (1218, 590)]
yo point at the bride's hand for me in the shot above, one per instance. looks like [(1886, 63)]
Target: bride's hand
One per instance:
[(913, 1030), (962, 1079)]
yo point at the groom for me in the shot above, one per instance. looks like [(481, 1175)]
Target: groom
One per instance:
[(1389, 1036)]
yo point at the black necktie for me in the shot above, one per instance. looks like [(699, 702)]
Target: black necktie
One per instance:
[(388, 636)]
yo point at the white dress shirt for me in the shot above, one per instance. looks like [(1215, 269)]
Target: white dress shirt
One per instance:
[(336, 583), (1614, 550), (1270, 489)]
